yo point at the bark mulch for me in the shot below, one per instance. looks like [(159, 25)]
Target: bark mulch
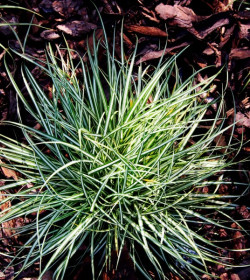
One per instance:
[(215, 32)]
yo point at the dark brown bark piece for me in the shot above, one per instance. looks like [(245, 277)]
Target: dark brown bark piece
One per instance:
[(244, 31), (5, 29), (183, 2), (182, 16), (220, 141), (240, 53), (46, 6), (243, 15), (208, 51), (146, 30), (222, 6), (150, 15), (234, 277), (111, 8), (239, 244), (213, 49), (98, 35), (125, 268), (8, 274), (48, 275), (226, 36), (2, 54), (76, 28), (9, 173), (67, 8), (244, 212), (244, 273), (7, 228), (207, 26), (127, 41), (199, 26), (157, 54)]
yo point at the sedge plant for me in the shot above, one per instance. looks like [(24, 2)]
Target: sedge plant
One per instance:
[(125, 167)]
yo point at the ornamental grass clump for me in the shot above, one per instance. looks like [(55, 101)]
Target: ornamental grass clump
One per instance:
[(120, 160)]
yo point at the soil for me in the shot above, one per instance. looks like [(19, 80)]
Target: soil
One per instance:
[(215, 32)]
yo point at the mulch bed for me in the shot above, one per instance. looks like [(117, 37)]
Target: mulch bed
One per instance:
[(215, 32)]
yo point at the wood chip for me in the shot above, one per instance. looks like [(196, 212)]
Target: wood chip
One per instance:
[(6, 227), (243, 119), (50, 35), (9, 173)]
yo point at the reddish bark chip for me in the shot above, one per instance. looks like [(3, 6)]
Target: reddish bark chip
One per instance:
[(146, 30), (234, 277), (243, 119)]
